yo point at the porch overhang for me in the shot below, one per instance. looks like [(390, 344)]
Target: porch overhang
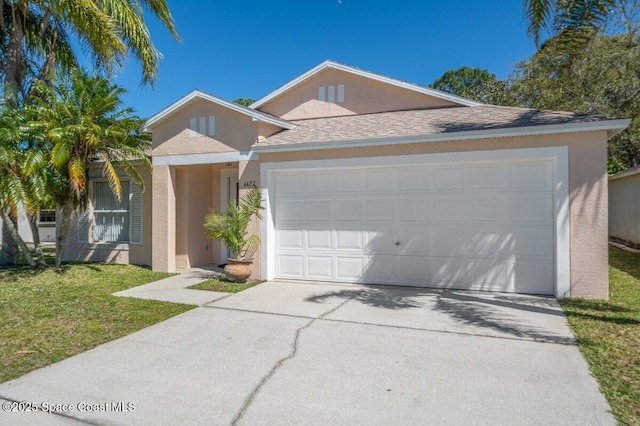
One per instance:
[(208, 158)]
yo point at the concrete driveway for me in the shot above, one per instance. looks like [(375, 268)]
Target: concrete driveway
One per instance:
[(305, 353)]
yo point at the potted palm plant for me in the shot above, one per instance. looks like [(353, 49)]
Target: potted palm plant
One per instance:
[(231, 228)]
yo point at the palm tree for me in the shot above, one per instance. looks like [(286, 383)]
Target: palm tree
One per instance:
[(86, 122), (107, 30), (575, 21), (23, 178), (34, 41)]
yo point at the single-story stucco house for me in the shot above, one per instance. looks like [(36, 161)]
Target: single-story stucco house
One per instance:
[(624, 205), (368, 179)]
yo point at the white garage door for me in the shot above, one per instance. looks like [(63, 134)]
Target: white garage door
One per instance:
[(482, 226)]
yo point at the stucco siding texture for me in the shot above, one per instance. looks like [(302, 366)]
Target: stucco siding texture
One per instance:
[(138, 254), (361, 96), (234, 131), (624, 207), (587, 192)]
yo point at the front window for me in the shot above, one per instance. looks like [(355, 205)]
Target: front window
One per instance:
[(47, 216), (110, 217)]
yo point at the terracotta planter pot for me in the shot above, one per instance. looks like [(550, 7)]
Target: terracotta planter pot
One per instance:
[(238, 270)]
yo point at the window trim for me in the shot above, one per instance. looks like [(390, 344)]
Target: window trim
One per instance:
[(93, 211)]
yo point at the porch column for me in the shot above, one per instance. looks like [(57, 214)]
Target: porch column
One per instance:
[(163, 227)]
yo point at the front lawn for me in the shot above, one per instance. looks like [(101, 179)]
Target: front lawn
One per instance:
[(48, 315), (609, 335)]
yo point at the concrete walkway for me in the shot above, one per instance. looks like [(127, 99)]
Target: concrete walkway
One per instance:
[(310, 353), (174, 289)]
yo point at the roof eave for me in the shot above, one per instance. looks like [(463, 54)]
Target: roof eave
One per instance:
[(185, 100), (335, 65), (605, 125), (629, 172)]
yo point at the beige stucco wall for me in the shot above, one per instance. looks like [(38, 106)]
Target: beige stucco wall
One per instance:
[(234, 131), (587, 192), (139, 254), (250, 174), (185, 196), (624, 207), (362, 96)]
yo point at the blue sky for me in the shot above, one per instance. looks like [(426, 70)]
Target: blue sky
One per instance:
[(247, 48)]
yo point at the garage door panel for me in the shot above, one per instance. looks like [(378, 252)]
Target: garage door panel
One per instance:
[(449, 272), (449, 209), (449, 177), (350, 268), (291, 184), (490, 274), (290, 239), (289, 210), (381, 181), (381, 241), (319, 183), (413, 242), (533, 175), (317, 210), (531, 208), (533, 277), (291, 266), (484, 226), (448, 242), (350, 181), (413, 210), (319, 239), (319, 267), (534, 243), (380, 210), (490, 209), (490, 243), (348, 211), (413, 179), (349, 240), (489, 176), (380, 269)]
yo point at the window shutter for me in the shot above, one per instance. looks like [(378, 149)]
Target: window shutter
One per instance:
[(83, 226), (136, 214)]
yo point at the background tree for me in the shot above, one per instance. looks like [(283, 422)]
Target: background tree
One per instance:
[(244, 101), (473, 83), (85, 119), (604, 80), (573, 22)]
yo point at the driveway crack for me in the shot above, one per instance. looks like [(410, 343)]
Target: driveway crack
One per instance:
[(294, 351)]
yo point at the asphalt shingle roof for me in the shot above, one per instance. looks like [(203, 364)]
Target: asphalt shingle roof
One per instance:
[(421, 122)]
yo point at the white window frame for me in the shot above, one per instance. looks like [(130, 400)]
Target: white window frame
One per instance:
[(94, 211)]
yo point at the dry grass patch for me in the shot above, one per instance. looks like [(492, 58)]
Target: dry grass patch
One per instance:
[(223, 285)]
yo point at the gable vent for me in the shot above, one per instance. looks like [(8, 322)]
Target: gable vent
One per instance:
[(329, 95)]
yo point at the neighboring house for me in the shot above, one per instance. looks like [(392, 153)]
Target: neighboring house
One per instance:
[(46, 227), (624, 205), (374, 180)]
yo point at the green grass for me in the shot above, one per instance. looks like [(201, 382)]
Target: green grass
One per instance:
[(48, 315), (608, 333), (224, 285)]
